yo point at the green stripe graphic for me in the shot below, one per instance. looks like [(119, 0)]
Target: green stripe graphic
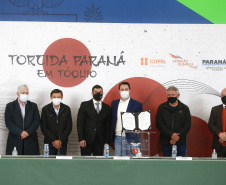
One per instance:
[(212, 10)]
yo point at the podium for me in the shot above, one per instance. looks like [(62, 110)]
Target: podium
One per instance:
[(133, 142)]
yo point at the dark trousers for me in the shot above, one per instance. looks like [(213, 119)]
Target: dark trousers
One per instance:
[(167, 150), (95, 148), (22, 147), (54, 151), (222, 152)]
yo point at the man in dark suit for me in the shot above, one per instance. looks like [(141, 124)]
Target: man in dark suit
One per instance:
[(93, 124), (22, 120), (125, 104), (56, 124), (217, 125)]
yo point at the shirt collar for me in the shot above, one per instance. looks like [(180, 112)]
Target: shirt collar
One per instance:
[(127, 101), (94, 102), (55, 108), (21, 103)]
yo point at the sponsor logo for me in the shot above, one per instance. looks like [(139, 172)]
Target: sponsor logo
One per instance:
[(214, 65), (182, 62), (153, 62)]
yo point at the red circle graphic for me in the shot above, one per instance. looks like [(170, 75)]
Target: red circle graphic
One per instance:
[(66, 62), (151, 94)]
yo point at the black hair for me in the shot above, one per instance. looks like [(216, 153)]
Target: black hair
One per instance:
[(124, 83), (56, 91), (97, 87)]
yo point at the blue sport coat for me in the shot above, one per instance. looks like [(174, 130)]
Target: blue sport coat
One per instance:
[(133, 106)]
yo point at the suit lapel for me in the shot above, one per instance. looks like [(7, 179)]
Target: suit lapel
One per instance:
[(61, 108), (130, 106), (103, 108), (116, 107), (92, 108), (27, 107), (220, 115), (51, 109), (18, 107)]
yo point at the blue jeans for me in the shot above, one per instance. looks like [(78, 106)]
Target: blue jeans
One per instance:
[(167, 150), (121, 150)]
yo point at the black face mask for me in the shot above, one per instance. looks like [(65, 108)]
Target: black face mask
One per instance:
[(223, 99), (98, 96), (172, 99)]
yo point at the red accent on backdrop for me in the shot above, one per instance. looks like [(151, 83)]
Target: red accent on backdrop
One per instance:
[(199, 139), (151, 94), (69, 48)]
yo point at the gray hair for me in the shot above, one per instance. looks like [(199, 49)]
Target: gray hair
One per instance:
[(22, 87), (172, 88)]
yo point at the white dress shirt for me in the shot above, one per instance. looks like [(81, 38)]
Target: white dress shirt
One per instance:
[(95, 106), (122, 107), (22, 108), (56, 110)]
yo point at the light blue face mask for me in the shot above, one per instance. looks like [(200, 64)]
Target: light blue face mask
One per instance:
[(23, 97)]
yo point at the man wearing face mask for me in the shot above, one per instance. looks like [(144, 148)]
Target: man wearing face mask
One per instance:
[(22, 120), (217, 125), (93, 124), (124, 104), (173, 120), (56, 123)]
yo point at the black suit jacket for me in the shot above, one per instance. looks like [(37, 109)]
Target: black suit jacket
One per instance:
[(215, 125), (91, 125), (53, 126), (14, 122)]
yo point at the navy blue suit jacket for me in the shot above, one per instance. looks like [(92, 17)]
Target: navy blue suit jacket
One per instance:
[(133, 106)]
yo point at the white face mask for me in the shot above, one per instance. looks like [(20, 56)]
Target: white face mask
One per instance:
[(124, 94), (23, 97), (56, 101)]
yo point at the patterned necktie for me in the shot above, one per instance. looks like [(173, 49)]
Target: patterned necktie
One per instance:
[(98, 108)]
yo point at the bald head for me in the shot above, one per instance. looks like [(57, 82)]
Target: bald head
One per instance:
[(223, 92), (223, 96)]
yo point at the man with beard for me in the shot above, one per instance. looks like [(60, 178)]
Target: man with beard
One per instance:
[(93, 124)]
